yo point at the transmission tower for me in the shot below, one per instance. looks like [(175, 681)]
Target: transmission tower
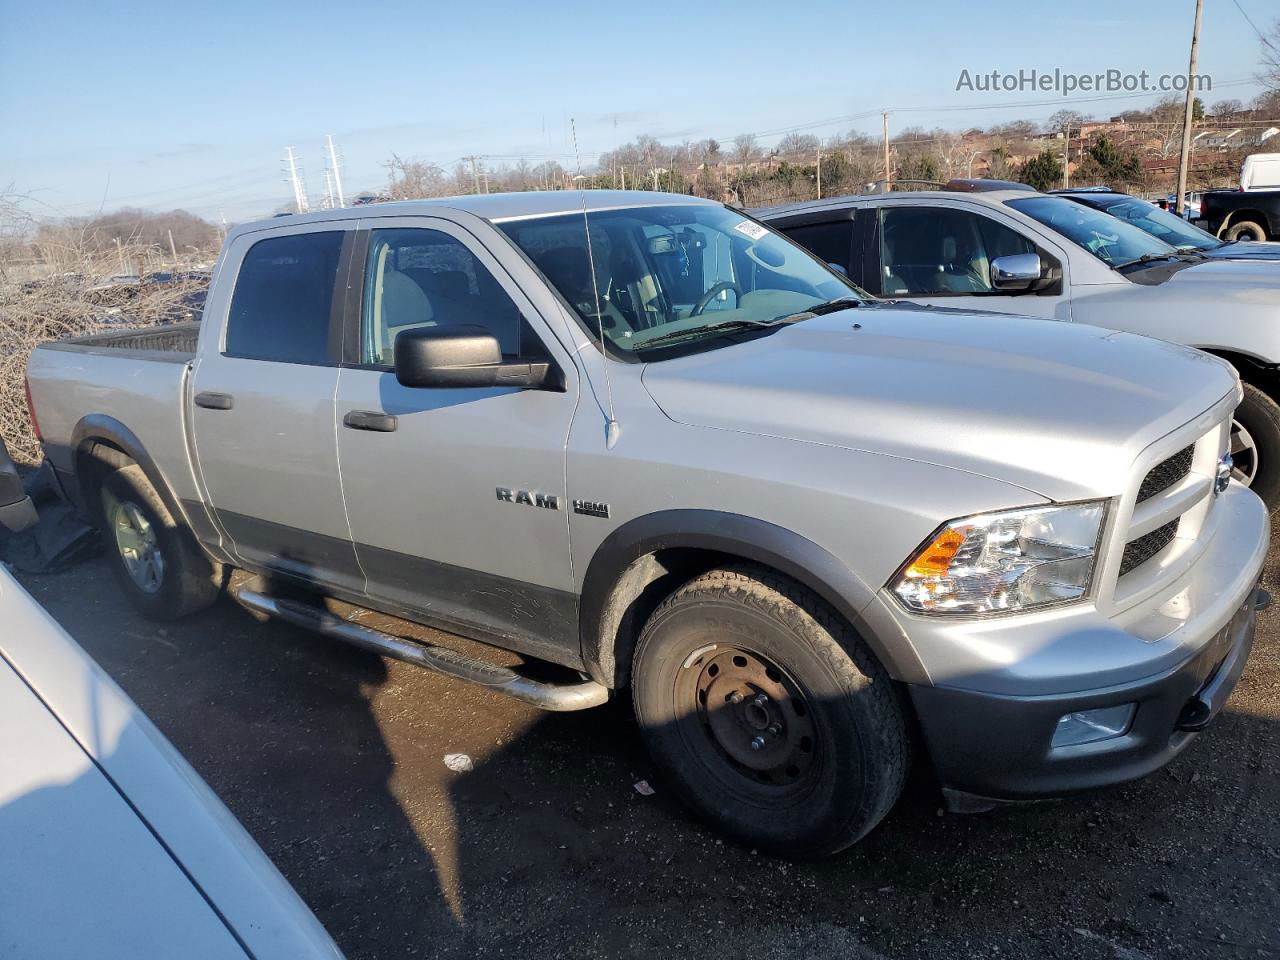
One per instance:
[(336, 167), (294, 170)]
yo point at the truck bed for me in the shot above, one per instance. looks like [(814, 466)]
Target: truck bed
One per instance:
[(175, 343), (129, 380)]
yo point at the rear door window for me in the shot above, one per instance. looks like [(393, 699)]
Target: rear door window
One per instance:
[(283, 301)]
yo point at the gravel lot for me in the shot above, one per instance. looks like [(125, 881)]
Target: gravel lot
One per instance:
[(333, 759)]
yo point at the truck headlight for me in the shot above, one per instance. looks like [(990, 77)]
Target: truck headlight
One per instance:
[(1008, 561)]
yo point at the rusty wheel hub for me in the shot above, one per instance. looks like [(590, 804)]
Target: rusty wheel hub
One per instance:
[(754, 715)]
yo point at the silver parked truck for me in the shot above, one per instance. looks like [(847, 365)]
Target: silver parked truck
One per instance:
[(647, 440)]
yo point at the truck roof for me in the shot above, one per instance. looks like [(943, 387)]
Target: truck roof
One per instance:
[(992, 197), (490, 206)]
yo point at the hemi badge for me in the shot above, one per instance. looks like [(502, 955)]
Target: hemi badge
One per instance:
[(591, 508)]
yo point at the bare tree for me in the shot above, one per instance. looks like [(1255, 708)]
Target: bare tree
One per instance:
[(1269, 76), (745, 148), (798, 145), (414, 179), (1064, 121)]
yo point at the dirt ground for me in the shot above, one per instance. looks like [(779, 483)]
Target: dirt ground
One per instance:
[(333, 759)]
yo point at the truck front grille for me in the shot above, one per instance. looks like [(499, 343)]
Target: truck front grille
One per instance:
[(1139, 551), (1166, 473)]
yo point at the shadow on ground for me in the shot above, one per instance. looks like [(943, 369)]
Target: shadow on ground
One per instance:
[(333, 759)]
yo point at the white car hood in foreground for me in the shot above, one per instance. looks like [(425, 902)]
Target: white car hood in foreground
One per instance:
[(111, 846), (1059, 409)]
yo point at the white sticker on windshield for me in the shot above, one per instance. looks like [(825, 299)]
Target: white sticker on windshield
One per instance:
[(752, 230)]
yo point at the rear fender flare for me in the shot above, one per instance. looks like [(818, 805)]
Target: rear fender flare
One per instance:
[(97, 428)]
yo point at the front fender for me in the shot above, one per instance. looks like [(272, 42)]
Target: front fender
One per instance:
[(609, 592)]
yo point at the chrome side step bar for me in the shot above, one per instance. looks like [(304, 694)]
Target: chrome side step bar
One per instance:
[(547, 696)]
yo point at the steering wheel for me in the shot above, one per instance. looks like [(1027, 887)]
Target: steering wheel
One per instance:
[(714, 292)]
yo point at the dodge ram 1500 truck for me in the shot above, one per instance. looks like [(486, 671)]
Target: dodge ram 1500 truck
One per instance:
[(647, 439)]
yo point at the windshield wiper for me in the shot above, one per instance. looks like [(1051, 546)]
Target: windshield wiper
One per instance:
[(821, 309), (719, 326), (1149, 258)]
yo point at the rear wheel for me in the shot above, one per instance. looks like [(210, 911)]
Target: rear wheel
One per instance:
[(1246, 230), (156, 561), (1255, 445), (768, 714)]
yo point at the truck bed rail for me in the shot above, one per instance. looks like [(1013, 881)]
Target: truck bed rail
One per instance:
[(175, 343)]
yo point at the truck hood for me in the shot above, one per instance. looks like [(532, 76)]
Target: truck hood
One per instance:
[(1059, 409), (1261, 277), (1245, 250)]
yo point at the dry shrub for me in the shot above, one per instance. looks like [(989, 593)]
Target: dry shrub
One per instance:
[(40, 310)]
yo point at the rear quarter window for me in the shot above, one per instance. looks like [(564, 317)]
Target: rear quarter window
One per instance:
[(283, 299)]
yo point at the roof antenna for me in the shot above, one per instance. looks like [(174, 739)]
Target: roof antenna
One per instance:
[(611, 428)]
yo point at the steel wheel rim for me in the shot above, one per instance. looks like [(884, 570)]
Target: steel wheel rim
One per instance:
[(138, 546), (1244, 454), (748, 721)]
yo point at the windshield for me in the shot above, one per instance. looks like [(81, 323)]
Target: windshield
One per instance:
[(662, 271), (1159, 223), (1112, 241)]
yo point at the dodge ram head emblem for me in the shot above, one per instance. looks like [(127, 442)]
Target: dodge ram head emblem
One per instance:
[(1223, 475), (548, 501)]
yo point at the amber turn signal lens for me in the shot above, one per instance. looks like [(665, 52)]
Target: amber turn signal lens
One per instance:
[(935, 559)]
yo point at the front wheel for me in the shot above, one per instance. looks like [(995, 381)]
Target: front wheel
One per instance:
[(1255, 445), (157, 562), (768, 714)]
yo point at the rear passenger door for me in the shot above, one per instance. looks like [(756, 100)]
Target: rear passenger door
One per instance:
[(262, 403), (941, 253), (456, 497)]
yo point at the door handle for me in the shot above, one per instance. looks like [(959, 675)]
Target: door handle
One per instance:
[(370, 420), (214, 401)]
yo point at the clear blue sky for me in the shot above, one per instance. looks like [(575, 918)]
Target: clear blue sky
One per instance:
[(167, 105)]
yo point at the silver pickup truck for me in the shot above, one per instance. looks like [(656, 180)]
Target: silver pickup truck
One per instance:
[(647, 439)]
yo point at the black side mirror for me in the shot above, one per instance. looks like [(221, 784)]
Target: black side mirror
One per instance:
[(464, 356)]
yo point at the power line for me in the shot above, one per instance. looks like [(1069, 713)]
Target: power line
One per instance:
[(1261, 36)]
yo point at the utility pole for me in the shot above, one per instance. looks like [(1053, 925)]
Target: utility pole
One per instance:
[(172, 249), (1185, 161), (1066, 157), (888, 177), (819, 173), (336, 167), (475, 171), (295, 178), (120, 255)]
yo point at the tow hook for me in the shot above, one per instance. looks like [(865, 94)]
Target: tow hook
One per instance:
[(1261, 599)]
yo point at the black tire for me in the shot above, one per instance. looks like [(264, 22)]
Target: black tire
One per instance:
[(820, 683), (1258, 463), (1246, 230), (184, 581)]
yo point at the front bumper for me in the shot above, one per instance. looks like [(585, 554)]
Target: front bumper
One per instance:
[(990, 740), (999, 747)]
